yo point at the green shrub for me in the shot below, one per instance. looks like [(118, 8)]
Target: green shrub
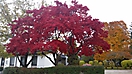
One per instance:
[(114, 68), (120, 68), (109, 68), (81, 62), (1, 68), (100, 63), (95, 62), (56, 70), (87, 58), (91, 62), (75, 70), (15, 70), (111, 64), (60, 64), (117, 68), (129, 63), (73, 60), (124, 64), (105, 63)]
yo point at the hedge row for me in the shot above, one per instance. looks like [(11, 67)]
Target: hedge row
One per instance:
[(1, 68), (56, 70)]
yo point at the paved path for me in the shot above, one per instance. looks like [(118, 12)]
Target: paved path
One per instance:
[(118, 71)]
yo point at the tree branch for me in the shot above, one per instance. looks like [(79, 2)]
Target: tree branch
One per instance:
[(30, 60), (49, 58), (20, 61)]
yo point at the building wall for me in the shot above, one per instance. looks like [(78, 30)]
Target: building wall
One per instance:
[(0, 61), (42, 62)]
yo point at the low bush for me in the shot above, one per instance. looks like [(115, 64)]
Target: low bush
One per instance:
[(73, 60), (119, 68), (114, 68), (1, 68), (91, 62), (111, 64), (15, 70), (81, 62), (95, 62), (108, 68), (105, 63), (60, 64), (100, 63), (129, 62), (56, 70), (126, 63), (87, 58)]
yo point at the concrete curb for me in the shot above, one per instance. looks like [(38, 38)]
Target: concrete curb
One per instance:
[(118, 71)]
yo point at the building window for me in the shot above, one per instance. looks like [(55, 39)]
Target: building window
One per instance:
[(12, 59), (34, 61), (62, 59), (2, 61)]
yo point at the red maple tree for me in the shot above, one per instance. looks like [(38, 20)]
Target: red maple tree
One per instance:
[(59, 29)]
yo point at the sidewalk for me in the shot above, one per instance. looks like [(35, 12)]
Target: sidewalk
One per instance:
[(118, 71)]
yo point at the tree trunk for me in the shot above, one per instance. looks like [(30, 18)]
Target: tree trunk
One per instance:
[(56, 58), (20, 60), (25, 60), (25, 64)]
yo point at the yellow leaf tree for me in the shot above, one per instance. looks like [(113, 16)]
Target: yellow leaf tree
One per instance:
[(119, 40)]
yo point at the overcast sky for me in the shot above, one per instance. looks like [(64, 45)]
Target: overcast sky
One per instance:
[(107, 10)]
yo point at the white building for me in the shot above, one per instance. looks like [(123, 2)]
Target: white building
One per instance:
[(38, 62)]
